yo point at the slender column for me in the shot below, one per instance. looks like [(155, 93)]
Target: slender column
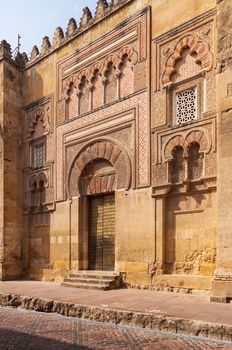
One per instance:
[(159, 234), (83, 238)]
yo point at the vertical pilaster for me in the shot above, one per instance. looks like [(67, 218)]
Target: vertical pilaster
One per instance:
[(1, 176), (159, 234), (222, 282)]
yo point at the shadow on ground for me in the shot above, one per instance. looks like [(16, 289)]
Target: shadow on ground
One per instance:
[(12, 340)]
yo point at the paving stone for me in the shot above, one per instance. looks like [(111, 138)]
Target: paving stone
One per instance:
[(29, 330)]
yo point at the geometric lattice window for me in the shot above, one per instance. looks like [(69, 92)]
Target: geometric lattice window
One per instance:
[(39, 155), (186, 106)]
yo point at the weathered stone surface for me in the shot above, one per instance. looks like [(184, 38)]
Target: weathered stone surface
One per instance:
[(45, 45), (222, 282), (137, 319), (21, 60), (58, 37), (224, 35), (5, 49), (72, 26), (86, 17), (34, 52), (101, 8)]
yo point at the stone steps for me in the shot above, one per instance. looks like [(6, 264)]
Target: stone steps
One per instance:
[(86, 286), (86, 274), (98, 280), (88, 280)]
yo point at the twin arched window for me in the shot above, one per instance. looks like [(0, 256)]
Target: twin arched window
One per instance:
[(38, 194), (189, 167)]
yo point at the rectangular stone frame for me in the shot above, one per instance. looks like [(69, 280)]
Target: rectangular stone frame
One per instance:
[(139, 26), (161, 47)]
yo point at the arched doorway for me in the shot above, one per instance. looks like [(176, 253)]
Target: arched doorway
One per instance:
[(97, 172), (98, 181)]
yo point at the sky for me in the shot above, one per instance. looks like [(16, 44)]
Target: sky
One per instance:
[(35, 19)]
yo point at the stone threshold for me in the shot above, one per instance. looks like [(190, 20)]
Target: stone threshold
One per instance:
[(121, 317)]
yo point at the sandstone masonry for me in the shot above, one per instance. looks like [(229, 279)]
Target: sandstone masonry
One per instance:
[(115, 150)]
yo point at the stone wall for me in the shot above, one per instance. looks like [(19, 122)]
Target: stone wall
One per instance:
[(222, 286), (1, 178), (11, 136), (111, 93), (113, 101)]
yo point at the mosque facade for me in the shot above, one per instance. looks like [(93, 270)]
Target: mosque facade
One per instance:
[(116, 148)]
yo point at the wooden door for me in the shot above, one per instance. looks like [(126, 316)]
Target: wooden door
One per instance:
[(102, 233)]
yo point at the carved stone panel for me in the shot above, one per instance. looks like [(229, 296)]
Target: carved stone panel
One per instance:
[(182, 56), (38, 151), (109, 116), (123, 49), (38, 119), (190, 235)]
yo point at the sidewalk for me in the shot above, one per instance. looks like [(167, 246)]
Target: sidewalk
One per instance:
[(185, 313)]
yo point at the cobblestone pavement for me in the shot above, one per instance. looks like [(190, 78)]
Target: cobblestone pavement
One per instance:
[(27, 330)]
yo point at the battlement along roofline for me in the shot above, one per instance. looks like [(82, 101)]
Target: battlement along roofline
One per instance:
[(103, 10)]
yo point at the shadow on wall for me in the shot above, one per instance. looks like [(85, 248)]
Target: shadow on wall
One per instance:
[(13, 233), (37, 246), (33, 86)]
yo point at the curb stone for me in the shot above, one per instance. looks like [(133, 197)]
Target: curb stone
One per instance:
[(114, 316)]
